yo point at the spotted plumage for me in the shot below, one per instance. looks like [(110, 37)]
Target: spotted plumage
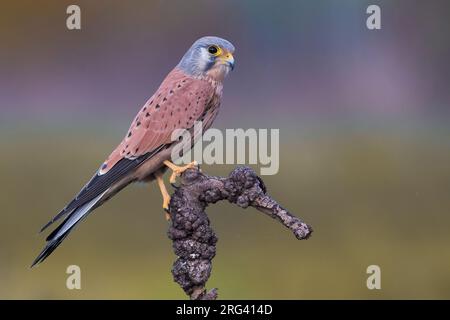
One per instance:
[(191, 92), (163, 113)]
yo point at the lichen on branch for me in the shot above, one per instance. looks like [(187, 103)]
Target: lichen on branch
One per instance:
[(194, 241)]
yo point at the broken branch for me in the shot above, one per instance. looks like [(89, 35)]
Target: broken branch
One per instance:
[(194, 241)]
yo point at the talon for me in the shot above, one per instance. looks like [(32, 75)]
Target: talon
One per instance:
[(177, 170), (166, 209), (173, 178), (165, 195), (167, 214), (165, 204)]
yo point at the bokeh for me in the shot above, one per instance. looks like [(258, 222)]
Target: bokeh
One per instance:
[(364, 131)]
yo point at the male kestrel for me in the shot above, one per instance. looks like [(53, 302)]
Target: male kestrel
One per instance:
[(191, 92)]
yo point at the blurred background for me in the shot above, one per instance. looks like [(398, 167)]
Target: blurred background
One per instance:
[(364, 131)]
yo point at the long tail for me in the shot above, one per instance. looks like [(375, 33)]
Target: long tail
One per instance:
[(89, 198), (63, 230)]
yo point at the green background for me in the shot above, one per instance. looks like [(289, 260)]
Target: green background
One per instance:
[(364, 150)]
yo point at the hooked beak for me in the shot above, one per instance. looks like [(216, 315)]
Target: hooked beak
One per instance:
[(229, 60)]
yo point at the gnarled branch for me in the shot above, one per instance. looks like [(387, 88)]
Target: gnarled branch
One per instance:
[(194, 241)]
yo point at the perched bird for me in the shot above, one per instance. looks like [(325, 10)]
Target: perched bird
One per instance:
[(191, 92)]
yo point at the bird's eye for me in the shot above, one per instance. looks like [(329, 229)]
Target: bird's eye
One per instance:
[(214, 50)]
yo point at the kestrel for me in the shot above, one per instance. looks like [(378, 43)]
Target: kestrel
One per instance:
[(191, 92)]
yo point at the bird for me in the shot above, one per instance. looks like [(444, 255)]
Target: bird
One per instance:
[(191, 92)]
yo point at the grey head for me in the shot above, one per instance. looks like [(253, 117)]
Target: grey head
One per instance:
[(208, 56)]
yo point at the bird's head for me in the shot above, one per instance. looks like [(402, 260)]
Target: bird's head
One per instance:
[(210, 57)]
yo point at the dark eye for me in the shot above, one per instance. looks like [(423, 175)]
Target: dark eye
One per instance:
[(213, 49)]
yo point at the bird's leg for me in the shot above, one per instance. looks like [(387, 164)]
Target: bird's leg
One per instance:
[(177, 170), (164, 193)]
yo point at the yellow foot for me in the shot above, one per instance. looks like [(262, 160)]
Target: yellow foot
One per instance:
[(164, 193), (177, 170), (166, 201)]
